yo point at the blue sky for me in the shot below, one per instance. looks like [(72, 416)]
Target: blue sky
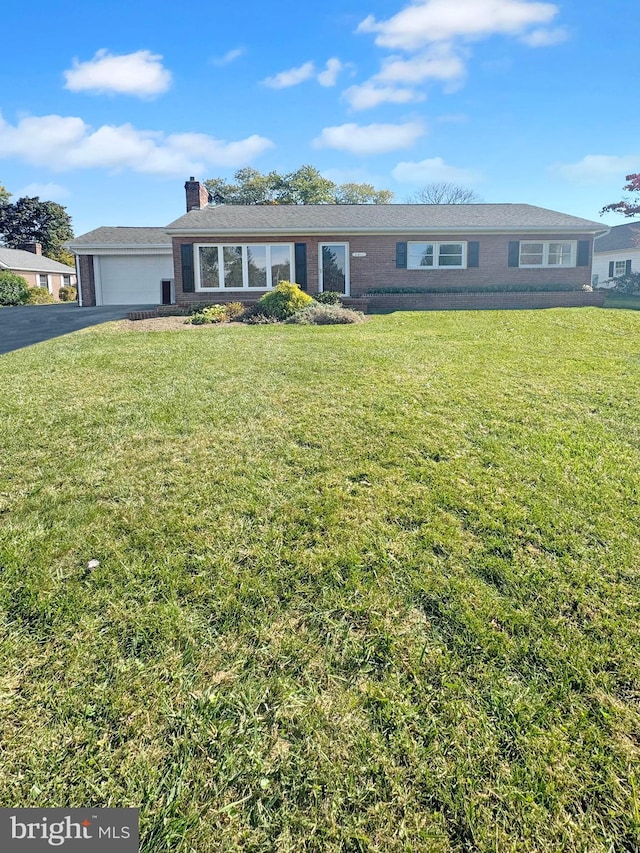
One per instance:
[(109, 108)]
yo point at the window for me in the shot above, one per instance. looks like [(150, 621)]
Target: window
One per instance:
[(43, 280), (619, 268), (436, 255), (548, 254), (66, 280), (257, 266)]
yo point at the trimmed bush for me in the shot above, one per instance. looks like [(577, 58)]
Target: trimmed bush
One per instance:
[(283, 301), (14, 289), (68, 294), (326, 315), (39, 296), (489, 288), (329, 297)]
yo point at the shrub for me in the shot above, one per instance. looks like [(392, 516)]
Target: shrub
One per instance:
[(326, 315), (14, 290), (68, 294), (210, 314), (629, 283), (234, 310), (39, 296), (283, 301), (329, 297), (255, 318)]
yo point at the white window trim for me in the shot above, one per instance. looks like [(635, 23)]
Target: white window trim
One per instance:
[(436, 254), (545, 255), (245, 266), (347, 271), (624, 271), (48, 285)]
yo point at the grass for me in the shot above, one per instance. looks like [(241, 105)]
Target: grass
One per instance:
[(365, 588)]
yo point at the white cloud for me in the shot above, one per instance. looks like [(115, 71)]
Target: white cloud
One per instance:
[(140, 73), (329, 77), (370, 139), (438, 63), (596, 168), (546, 38), (47, 192), (65, 143), (431, 21), (433, 170), (229, 56), (368, 95), (292, 77)]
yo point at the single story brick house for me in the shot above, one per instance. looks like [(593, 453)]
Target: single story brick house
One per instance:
[(615, 254), (238, 252), (37, 270)]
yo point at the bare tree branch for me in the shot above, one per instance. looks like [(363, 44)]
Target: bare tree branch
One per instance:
[(444, 192)]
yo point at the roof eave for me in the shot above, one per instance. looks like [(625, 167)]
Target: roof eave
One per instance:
[(406, 229)]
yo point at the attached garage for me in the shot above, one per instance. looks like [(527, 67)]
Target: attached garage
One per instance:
[(131, 279), (124, 266)]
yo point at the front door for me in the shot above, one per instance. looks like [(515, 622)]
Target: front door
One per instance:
[(334, 267)]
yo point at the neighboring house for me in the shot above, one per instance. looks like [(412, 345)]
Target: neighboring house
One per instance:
[(37, 270), (615, 254), (124, 266), (237, 252)]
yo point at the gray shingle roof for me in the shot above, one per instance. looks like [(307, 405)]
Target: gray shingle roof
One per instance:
[(110, 236), (19, 259), (620, 237), (412, 218)]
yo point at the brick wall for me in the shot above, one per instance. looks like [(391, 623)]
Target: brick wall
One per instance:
[(378, 268), (87, 280)]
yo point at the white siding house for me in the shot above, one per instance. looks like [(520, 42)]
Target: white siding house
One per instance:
[(615, 254)]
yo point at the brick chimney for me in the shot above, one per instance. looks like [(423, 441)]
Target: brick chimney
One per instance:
[(31, 246), (197, 195)]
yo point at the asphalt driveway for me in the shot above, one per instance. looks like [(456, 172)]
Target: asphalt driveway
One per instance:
[(24, 325)]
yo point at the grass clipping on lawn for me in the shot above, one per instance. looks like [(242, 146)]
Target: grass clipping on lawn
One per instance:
[(365, 588)]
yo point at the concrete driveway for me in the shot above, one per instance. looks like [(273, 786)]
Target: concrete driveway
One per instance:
[(24, 325)]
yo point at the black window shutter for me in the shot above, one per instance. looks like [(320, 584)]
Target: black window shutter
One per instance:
[(473, 254), (610, 269), (188, 280), (300, 251), (584, 255), (514, 253), (401, 256), (627, 268)]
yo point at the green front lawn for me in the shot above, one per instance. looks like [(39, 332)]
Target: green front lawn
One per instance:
[(364, 588)]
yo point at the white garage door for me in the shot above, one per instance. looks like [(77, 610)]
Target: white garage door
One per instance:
[(132, 279)]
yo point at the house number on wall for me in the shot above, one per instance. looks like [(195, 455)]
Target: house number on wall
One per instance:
[(358, 254)]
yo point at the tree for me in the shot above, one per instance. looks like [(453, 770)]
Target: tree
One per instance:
[(361, 194), (627, 207), (30, 219), (443, 192), (303, 186), (4, 195)]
